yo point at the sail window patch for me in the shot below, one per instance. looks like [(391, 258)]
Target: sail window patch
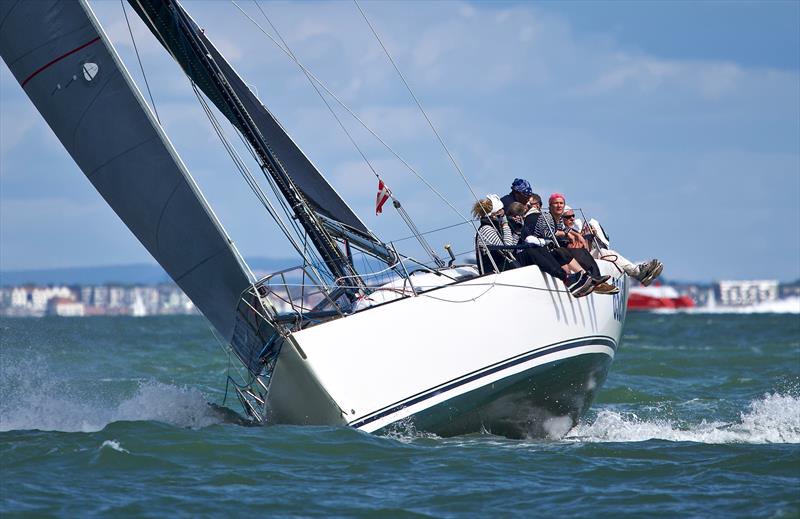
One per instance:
[(90, 71)]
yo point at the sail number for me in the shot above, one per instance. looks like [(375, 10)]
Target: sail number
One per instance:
[(619, 303)]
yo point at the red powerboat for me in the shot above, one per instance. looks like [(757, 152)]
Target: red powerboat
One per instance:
[(657, 298)]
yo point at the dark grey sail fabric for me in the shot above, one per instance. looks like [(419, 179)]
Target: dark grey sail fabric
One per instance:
[(71, 73), (319, 193)]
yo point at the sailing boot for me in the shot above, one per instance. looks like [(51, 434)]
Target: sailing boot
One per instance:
[(600, 280), (653, 272), (605, 288), (579, 284), (633, 271), (642, 270)]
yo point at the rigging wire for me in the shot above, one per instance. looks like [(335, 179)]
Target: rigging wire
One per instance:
[(416, 100), (247, 175), (430, 123), (446, 227), (316, 88), (416, 232), (357, 118), (141, 67), (403, 214)]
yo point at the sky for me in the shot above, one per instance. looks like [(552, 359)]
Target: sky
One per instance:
[(676, 124)]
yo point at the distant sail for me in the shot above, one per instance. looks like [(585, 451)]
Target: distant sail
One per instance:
[(323, 198), (67, 67)]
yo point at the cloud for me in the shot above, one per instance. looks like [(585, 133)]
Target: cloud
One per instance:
[(514, 91), (645, 74)]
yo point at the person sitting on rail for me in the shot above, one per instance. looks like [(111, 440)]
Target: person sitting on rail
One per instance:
[(598, 244), (515, 213), (571, 245), (575, 279), (534, 203), (494, 236), (520, 192)]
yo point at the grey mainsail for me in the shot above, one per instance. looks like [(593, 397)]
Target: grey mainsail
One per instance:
[(324, 199), (67, 66)]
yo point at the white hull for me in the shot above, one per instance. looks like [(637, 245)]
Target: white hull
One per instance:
[(512, 353)]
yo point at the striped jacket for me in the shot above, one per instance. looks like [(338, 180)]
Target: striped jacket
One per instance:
[(487, 236)]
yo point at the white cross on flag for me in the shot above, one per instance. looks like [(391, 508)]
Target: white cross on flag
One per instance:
[(383, 195)]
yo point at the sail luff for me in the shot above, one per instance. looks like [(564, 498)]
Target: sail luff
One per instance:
[(148, 111)]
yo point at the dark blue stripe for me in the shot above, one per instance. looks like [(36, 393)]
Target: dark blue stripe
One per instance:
[(483, 372)]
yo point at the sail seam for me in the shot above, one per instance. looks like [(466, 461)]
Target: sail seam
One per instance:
[(117, 156), (53, 62), (49, 42), (90, 104), (200, 263), (3, 22)]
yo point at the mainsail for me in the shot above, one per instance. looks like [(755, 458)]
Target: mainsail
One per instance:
[(66, 65), (316, 189)]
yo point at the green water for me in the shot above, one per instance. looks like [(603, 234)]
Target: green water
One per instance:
[(700, 416)]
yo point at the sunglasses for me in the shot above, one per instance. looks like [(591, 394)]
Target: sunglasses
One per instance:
[(569, 216)]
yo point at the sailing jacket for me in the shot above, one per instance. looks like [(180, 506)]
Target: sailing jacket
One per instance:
[(546, 227), (487, 238)]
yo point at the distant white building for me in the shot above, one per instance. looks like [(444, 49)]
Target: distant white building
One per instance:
[(100, 296), (741, 293), (65, 307), (20, 297), (39, 296), (86, 294), (116, 297), (35, 301)]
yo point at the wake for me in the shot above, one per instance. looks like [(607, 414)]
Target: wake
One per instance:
[(152, 401), (50, 403), (773, 418)]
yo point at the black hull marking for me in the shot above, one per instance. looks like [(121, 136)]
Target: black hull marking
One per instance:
[(483, 372)]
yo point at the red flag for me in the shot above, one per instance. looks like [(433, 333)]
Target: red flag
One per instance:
[(383, 195)]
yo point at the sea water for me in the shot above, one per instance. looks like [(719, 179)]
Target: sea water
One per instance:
[(700, 416)]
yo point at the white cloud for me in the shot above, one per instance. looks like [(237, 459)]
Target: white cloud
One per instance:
[(645, 74), (514, 91)]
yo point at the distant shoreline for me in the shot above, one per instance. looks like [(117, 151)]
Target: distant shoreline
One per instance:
[(131, 274)]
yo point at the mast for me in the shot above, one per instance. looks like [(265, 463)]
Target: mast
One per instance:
[(336, 261)]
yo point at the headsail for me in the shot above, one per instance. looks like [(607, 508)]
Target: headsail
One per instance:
[(315, 188), (66, 65)]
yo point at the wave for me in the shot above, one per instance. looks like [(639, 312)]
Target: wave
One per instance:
[(50, 404), (114, 445), (774, 418)]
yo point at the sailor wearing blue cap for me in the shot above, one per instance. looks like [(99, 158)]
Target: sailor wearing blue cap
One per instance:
[(521, 191)]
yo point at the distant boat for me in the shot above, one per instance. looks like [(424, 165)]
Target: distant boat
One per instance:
[(138, 308), (455, 352), (661, 297)]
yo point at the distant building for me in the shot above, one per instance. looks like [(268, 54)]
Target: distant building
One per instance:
[(740, 293), (19, 297), (65, 307)]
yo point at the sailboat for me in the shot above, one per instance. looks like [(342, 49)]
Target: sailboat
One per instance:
[(435, 346)]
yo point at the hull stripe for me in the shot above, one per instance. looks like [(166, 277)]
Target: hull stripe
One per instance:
[(481, 373)]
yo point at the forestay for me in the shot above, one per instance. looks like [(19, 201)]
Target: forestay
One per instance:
[(67, 67)]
